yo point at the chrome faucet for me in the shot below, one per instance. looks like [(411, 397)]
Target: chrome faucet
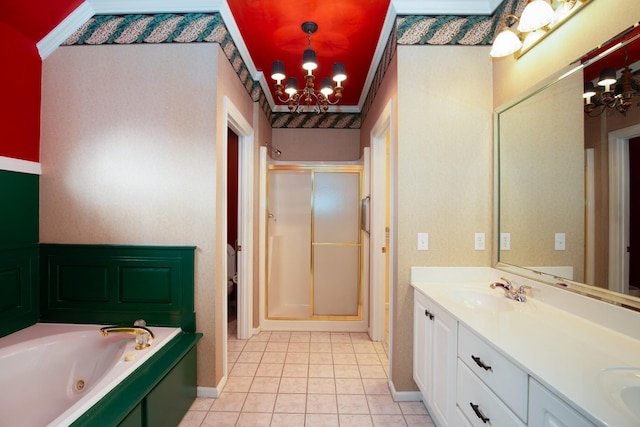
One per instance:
[(143, 334), (510, 292)]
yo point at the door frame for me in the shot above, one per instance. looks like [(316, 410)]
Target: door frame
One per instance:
[(619, 207), (233, 119), (378, 140)]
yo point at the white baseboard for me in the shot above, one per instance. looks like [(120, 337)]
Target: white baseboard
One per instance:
[(404, 396), (212, 392)]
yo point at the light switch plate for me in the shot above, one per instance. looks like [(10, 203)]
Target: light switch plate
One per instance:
[(423, 241), (505, 241)]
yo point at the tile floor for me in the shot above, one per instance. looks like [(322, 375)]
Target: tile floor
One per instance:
[(306, 379)]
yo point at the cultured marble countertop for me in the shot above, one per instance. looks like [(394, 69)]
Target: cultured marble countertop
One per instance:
[(552, 337)]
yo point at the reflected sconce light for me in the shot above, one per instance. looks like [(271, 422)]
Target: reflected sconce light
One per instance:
[(611, 92), (309, 98), (539, 18)]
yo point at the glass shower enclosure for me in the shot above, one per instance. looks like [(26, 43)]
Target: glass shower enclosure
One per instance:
[(314, 253)]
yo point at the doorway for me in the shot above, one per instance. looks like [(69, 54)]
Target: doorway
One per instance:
[(235, 123), (620, 209), (634, 212), (232, 232), (381, 249)]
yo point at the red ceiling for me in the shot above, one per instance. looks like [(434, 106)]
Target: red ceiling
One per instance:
[(348, 32), (631, 53), (36, 18)]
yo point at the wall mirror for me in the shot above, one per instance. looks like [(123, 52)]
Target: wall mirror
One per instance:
[(563, 174)]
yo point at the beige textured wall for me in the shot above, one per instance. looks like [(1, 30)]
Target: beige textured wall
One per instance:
[(444, 171), (129, 156), (317, 144), (542, 177)]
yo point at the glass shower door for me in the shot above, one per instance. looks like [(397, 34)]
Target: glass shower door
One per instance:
[(289, 240), (336, 244)]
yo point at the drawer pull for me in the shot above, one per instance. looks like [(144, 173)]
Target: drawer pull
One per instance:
[(479, 413), (480, 363), (428, 314)]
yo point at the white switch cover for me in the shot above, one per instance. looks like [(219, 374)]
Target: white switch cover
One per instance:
[(505, 241), (423, 241), (561, 242), (479, 242)]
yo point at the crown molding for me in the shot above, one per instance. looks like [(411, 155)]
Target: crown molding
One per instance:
[(123, 7), (19, 165), (62, 31), (445, 7), (383, 37)]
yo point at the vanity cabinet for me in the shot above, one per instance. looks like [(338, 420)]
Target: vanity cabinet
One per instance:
[(506, 380), (479, 403), (548, 410), (434, 358), (466, 381)]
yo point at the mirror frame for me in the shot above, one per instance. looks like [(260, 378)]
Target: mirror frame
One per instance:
[(592, 291)]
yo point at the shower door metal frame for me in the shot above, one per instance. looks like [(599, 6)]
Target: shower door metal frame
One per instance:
[(321, 169)]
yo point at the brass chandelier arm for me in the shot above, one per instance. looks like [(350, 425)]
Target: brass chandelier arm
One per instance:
[(308, 98)]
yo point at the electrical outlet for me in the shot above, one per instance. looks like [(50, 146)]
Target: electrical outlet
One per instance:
[(505, 241), (423, 241), (560, 242), (479, 242)]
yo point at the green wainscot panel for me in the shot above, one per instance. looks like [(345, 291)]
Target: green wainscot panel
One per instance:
[(116, 284), (18, 289), (19, 199)]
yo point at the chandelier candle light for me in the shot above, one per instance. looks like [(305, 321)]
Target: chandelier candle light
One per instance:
[(308, 97)]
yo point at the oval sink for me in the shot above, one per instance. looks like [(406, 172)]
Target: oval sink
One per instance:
[(483, 300), (621, 386)]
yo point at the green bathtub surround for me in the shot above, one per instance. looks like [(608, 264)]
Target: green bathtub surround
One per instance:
[(115, 284), (19, 212), (18, 288), (18, 251), (157, 394)]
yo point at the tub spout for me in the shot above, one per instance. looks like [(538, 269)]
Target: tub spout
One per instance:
[(143, 334)]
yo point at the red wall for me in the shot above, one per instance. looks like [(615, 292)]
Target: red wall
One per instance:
[(20, 82)]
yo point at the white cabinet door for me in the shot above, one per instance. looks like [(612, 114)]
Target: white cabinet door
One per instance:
[(444, 350), (422, 337), (434, 358), (548, 410)]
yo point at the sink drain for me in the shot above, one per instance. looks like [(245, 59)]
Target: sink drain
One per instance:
[(80, 385)]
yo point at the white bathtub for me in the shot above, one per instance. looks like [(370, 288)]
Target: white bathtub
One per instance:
[(50, 373)]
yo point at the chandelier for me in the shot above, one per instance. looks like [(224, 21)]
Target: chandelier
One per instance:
[(308, 98), (611, 92)]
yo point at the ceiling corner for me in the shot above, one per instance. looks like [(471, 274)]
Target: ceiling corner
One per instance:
[(62, 31)]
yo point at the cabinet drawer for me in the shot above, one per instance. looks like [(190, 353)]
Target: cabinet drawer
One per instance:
[(459, 420), (506, 380), (471, 391), (546, 409)]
